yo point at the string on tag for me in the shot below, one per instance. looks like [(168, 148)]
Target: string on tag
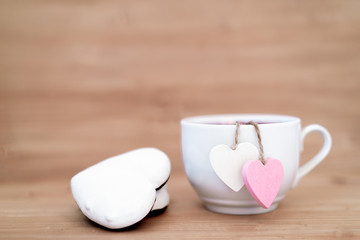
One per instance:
[(238, 123), (262, 159), (236, 135)]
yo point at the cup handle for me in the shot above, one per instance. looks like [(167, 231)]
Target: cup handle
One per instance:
[(310, 165)]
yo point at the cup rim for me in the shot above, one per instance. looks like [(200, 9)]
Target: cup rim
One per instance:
[(229, 120)]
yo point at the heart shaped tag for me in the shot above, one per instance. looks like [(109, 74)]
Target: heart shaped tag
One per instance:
[(263, 181), (227, 163)]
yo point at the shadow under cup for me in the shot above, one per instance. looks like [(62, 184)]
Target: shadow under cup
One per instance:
[(281, 139)]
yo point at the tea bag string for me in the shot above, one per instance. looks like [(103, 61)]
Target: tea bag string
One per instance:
[(238, 123), (234, 146)]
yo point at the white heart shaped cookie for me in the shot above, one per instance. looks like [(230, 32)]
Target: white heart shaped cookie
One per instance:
[(150, 162), (162, 199), (227, 163), (120, 191), (113, 199)]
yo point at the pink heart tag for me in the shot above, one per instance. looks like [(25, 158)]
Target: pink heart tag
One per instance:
[(263, 181)]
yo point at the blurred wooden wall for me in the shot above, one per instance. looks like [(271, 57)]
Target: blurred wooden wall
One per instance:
[(84, 80)]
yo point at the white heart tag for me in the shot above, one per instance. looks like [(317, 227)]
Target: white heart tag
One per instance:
[(227, 163)]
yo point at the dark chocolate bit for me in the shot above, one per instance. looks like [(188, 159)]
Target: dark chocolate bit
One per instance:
[(156, 212)]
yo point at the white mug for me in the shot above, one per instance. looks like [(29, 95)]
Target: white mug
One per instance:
[(282, 139)]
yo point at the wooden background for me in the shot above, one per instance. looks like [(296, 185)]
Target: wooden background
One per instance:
[(82, 81)]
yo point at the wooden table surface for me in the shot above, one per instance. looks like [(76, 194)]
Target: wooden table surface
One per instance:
[(82, 81)]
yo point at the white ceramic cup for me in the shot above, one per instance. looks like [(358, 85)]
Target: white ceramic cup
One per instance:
[(282, 138)]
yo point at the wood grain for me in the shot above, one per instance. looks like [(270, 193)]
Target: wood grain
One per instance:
[(82, 81)]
